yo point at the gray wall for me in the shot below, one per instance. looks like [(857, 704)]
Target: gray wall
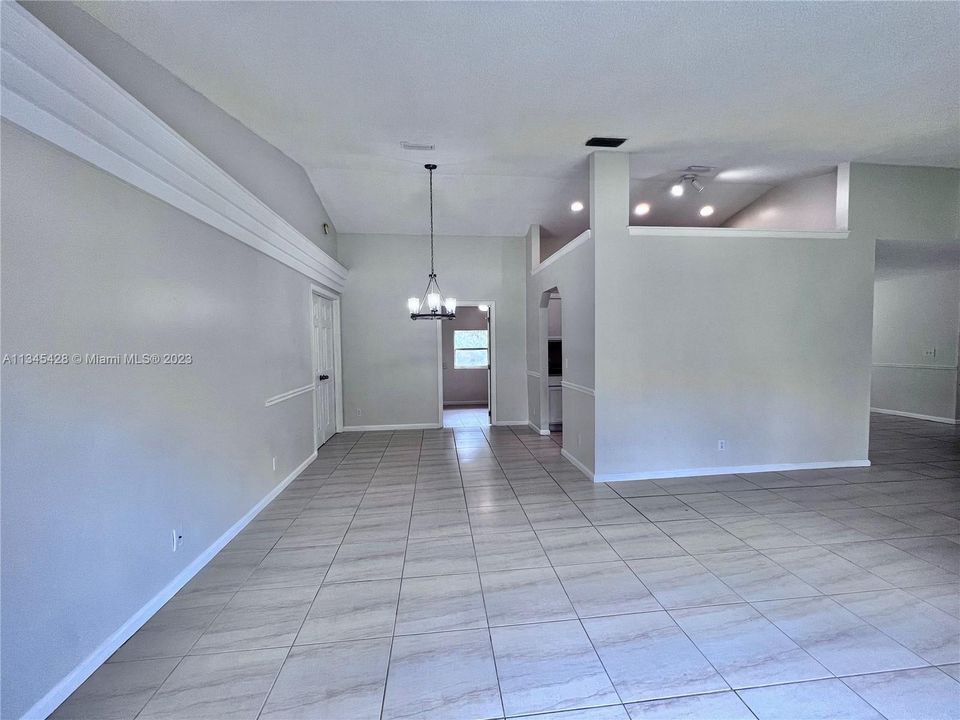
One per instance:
[(761, 341), (900, 204), (464, 385), (803, 204), (256, 164), (99, 464), (390, 361)]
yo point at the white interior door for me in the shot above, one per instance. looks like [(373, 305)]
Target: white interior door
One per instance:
[(325, 376)]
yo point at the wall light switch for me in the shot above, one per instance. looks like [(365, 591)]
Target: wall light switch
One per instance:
[(274, 464), (721, 444)]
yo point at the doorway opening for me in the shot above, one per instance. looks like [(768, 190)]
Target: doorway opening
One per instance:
[(466, 366), (551, 382), (325, 349)]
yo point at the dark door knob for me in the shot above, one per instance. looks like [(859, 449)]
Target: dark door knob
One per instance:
[(323, 377)]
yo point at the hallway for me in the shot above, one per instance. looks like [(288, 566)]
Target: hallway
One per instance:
[(474, 573)]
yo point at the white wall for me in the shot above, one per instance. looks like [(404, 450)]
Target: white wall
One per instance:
[(100, 463), (755, 338), (257, 165), (390, 361), (803, 204), (572, 274), (463, 385)]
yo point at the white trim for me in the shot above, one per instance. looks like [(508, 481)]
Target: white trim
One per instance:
[(916, 416), (378, 428), (642, 230), (533, 373), (469, 403), (566, 249), (287, 395), (510, 423), (492, 358), (75, 678), (728, 470), (538, 431), (578, 465), (52, 91), (916, 366), (578, 388)]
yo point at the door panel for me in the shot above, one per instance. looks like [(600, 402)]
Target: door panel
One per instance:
[(325, 376)]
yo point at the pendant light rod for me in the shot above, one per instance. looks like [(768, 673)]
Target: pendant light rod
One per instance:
[(430, 168)]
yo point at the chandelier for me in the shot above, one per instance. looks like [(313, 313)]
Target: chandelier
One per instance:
[(428, 307)]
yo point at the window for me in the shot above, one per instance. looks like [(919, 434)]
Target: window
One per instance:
[(470, 349)]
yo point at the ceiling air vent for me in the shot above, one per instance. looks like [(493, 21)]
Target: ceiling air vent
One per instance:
[(417, 146), (605, 142)]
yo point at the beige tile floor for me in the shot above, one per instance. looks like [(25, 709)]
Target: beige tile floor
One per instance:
[(473, 573), (465, 416)]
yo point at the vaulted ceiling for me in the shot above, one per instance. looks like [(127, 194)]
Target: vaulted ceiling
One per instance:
[(508, 92)]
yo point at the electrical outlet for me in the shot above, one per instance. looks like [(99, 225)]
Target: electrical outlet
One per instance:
[(358, 412), (721, 444), (274, 464), (930, 353)]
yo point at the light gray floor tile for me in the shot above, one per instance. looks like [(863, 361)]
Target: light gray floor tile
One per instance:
[(226, 685), (555, 515), (435, 604), (682, 582), (894, 565), (842, 642), (367, 561), (713, 706), (942, 597), (443, 675), (609, 512), (351, 611), (291, 568), (715, 504), (497, 519), (257, 619), (926, 694), (572, 546), (452, 555), (701, 536), (549, 666), (525, 596), (639, 540), (509, 551), (175, 627), (761, 532), (941, 551), (664, 507), (817, 700), (340, 680), (754, 576), (930, 633), (745, 647), (608, 712), (671, 664), (826, 571), (605, 589), (116, 691)]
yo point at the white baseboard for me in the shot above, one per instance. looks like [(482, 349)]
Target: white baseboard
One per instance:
[(916, 416), (510, 423), (727, 470), (377, 428), (469, 403), (578, 465), (538, 431), (76, 677)]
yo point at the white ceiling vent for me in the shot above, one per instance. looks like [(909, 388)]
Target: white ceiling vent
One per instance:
[(417, 146)]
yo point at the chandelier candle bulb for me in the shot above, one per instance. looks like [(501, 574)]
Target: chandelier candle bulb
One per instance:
[(450, 304)]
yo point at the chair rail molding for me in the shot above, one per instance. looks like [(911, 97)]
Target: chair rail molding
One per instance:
[(578, 388), (51, 90), (287, 395)]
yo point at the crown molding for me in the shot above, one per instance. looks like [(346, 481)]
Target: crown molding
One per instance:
[(54, 92)]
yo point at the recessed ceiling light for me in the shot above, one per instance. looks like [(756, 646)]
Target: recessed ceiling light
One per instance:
[(677, 189), (642, 209), (706, 211), (576, 206)]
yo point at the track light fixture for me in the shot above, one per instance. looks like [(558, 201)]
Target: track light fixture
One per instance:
[(677, 188)]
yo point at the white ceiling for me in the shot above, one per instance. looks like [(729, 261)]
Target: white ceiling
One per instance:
[(509, 92)]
